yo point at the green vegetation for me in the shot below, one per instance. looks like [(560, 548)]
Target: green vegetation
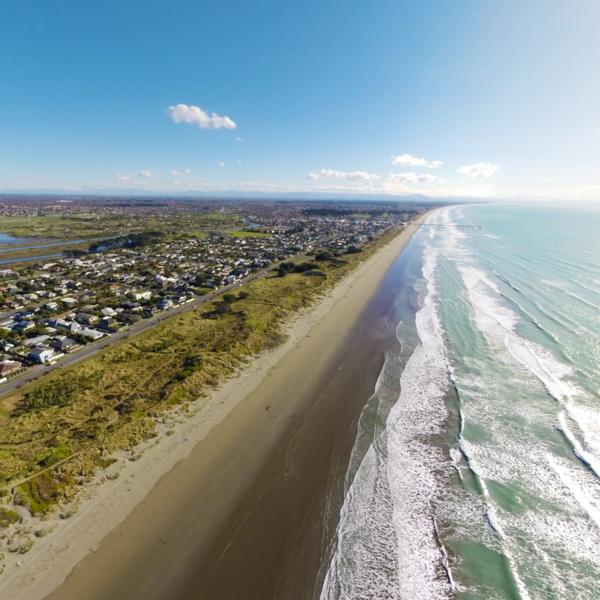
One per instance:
[(41, 493), (98, 225), (132, 240), (62, 428), (8, 517), (50, 393), (202, 291), (292, 267)]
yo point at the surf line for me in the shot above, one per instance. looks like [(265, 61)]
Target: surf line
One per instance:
[(445, 558)]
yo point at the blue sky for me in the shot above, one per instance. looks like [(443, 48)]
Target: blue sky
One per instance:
[(343, 97)]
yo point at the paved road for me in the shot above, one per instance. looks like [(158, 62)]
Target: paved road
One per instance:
[(94, 347)]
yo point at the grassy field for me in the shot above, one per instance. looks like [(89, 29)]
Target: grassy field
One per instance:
[(86, 226), (56, 432), (57, 227)]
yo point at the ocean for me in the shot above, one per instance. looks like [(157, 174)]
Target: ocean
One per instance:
[(475, 471)]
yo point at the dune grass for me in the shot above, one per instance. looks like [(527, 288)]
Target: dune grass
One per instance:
[(63, 427)]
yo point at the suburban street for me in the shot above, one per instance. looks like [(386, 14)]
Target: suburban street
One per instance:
[(93, 348)]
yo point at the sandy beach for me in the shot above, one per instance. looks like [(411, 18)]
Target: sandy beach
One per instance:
[(230, 500)]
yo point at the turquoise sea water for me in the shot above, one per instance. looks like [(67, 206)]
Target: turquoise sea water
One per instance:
[(476, 471)]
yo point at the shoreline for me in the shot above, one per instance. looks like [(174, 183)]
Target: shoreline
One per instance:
[(136, 502)]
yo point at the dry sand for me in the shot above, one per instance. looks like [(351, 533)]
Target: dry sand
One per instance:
[(223, 497)]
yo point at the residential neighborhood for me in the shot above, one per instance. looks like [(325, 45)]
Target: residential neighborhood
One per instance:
[(49, 308)]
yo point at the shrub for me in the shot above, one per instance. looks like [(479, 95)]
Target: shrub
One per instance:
[(324, 255), (8, 517), (353, 249), (303, 267), (285, 268), (56, 392), (40, 493)]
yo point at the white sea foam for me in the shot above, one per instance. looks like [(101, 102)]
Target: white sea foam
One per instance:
[(544, 366), (499, 323), (419, 412), (497, 527), (580, 490), (538, 505), (538, 512), (590, 429), (387, 545)]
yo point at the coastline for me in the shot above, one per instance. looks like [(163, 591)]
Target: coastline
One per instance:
[(141, 505)]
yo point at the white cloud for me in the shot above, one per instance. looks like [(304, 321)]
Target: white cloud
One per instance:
[(549, 179), (182, 173), (123, 178), (347, 175), (239, 139), (408, 160), (477, 170), (145, 173), (222, 164), (182, 113), (412, 177)]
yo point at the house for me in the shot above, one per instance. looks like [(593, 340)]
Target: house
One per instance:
[(86, 318), (91, 334), (144, 295), (62, 343), (22, 326), (42, 355), (9, 366), (6, 346), (7, 324), (25, 315), (71, 326), (69, 302), (38, 340), (51, 306), (108, 324), (165, 304)]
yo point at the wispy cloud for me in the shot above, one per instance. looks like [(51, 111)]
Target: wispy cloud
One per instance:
[(412, 177), (145, 173), (183, 113), (222, 164), (239, 139), (182, 173), (122, 178), (549, 179), (408, 160), (347, 175), (478, 170)]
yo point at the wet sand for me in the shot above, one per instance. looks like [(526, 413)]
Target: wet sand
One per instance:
[(249, 512)]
